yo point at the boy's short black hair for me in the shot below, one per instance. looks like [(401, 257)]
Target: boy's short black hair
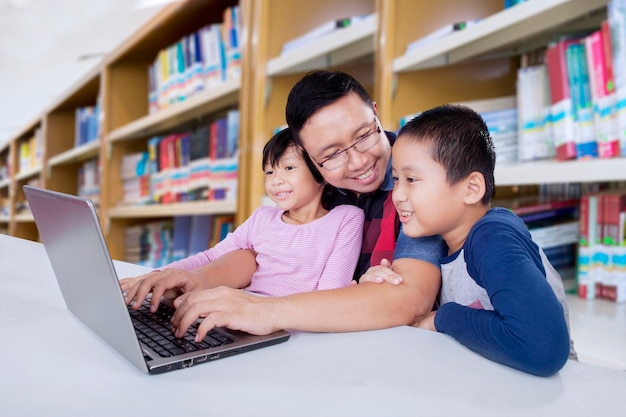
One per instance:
[(461, 143), (316, 90), (276, 147)]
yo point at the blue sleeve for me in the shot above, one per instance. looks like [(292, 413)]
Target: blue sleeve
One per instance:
[(429, 249), (527, 329)]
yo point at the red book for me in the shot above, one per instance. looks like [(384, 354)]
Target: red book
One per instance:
[(560, 97), (608, 56), (614, 204)]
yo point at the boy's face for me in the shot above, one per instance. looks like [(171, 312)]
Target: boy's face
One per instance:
[(426, 204), (290, 184), (339, 126)]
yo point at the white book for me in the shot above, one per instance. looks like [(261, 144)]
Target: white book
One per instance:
[(321, 31), (440, 33)]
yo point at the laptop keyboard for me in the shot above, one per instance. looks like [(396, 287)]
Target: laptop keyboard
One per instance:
[(155, 331)]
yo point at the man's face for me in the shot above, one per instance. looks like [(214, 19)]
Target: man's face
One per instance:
[(338, 126)]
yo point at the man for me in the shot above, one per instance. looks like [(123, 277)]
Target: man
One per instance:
[(336, 124)]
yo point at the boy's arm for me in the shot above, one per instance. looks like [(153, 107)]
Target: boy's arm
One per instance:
[(527, 328)]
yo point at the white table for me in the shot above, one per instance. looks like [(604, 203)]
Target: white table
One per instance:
[(395, 372)]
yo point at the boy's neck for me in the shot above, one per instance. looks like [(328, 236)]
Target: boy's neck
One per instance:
[(455, 238)]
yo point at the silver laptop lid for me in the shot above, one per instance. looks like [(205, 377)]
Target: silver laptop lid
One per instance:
[(71, 233)]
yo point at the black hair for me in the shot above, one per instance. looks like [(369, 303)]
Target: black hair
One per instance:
[(461, 143), (316, 90), (275, 148)]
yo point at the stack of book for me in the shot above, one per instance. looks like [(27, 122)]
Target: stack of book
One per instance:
[(501, 116), (89, 180), (158, 243), (602, 246), (30, 151), (199, 61), (193, 166), (149, 244), (87, 125)]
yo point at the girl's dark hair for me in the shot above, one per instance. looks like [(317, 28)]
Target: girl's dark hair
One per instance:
[(275, 148)]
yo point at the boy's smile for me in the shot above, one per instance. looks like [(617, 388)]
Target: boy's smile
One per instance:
[(426, 204)]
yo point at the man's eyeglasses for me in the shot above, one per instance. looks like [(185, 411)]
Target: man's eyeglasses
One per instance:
[(362, 144)]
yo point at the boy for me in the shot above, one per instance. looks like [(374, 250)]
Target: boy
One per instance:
[(500, 296)]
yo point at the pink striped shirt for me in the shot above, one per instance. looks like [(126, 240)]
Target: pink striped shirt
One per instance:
[(293, 258)]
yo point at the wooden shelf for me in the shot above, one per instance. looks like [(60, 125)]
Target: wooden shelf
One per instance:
[(552, 171), (5, 183), (512, 28), (4, 219), (77, 154), (343, 46), (22, 175), (219, 98), (178, 209), (24, 218)]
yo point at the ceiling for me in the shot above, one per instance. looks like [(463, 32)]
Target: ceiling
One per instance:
[(46, 46)]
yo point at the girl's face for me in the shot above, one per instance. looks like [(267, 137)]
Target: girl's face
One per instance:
[(290, 184)]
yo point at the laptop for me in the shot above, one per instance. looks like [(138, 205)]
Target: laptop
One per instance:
[(71, 234)]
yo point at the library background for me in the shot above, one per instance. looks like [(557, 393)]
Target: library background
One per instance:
[(165, 134)]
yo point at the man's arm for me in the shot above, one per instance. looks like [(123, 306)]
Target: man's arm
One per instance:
[(365, 306)]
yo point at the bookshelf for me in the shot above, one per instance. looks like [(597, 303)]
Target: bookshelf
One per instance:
[(478, 63), (128, 124), (5, 187), (499, 35), (26, 161), (67, 146), (269, 74)]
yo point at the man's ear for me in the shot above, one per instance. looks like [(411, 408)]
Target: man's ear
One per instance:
[(475, 188)]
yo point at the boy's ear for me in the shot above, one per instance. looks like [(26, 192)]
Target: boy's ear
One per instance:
[(475, 188)]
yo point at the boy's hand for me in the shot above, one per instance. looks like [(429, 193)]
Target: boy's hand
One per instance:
[(381, 273), (428, 322)]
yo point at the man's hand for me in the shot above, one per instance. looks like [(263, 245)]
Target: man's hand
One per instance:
[(169, 283), (224, 307)]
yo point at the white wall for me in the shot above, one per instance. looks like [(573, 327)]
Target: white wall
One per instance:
[(46, 46)]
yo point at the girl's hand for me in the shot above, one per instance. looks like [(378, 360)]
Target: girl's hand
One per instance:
[(381, 273)]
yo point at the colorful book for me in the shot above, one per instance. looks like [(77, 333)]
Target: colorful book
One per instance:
[(602, 95), (562, 110)]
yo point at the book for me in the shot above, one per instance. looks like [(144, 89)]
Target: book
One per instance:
[(613, 205), (181, 236), (534, 113), (605, 112), (562, 106), (585, 135), (214, 55), (201, 232), (440, 33)]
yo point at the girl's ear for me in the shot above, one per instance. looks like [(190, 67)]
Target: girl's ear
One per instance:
[(475, 188)]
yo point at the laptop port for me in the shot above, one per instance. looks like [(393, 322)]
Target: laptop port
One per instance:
[(201, 358), (187, 363)]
